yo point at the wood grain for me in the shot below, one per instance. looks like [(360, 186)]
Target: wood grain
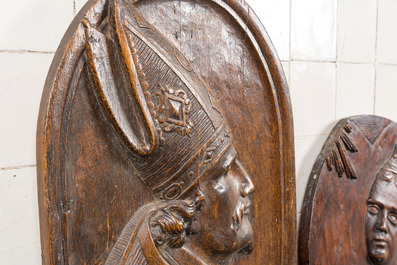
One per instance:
[(87, 185), (332, 229)]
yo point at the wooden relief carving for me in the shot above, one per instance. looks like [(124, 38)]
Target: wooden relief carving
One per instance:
[(353, 220), (338, 157), (158, 121)]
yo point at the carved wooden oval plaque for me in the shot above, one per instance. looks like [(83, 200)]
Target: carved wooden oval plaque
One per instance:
[(351, 186), (165, 137)]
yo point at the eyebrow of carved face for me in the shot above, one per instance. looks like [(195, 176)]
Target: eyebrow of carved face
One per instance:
[(380, 205), (372, 201), (228, 163), (222, 166)]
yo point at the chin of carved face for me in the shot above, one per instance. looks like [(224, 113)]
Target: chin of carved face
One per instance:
[(224, 218), (381, 223)]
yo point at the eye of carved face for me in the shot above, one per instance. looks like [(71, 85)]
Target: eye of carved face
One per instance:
[(373, 208), (393, 218)]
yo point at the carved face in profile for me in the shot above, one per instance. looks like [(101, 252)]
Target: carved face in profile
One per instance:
[(381, 223), (225, 227)]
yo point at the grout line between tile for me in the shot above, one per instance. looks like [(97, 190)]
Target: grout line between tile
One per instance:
[(339, 62), (337, 30), (74, 8), (289, 58), (17, 167), (290, 34), (26, 51), (376, 33), (376, 55), (336, 56), (336, 90), (375, 80), (388, 64), (357, 63)]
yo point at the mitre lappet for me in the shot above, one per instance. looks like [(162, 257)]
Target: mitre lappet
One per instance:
[(161, 109)]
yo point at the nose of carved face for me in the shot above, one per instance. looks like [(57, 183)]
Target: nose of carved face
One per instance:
[(247, 187), (381, 224)]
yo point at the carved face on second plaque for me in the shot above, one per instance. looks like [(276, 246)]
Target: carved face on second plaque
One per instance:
[(381, 218), (225, 227)]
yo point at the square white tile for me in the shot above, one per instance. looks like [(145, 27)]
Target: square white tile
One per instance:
[(307, 148), (312, 88), (386, 91), (313, 29), (275, 16), (356, 30), (355, 89), (19, 217), (387, 28), (34, 25), (22, 79)]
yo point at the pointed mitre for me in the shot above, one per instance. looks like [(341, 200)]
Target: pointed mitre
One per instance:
[(160, 108), (388, 172)]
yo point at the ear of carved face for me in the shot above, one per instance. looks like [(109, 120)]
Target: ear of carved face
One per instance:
[(381, 223), (225, 226)]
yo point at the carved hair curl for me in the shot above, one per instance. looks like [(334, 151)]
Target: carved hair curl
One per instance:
[(176, 221)]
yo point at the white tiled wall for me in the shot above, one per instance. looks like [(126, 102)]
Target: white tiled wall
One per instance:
[(313, 84), (21, 84), (387, 26), (20, 235), (34, 25), (313, 30), (338, 55), (356, 27), (342, 61)]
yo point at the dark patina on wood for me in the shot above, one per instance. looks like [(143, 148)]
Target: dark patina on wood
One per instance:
[(165, 137), (349, 213)]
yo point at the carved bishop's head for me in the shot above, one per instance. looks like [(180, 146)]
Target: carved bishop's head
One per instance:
[(381, 219), (162, 110), (166, 117)]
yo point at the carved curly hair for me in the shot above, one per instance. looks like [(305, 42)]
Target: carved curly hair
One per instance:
[(176, 221)]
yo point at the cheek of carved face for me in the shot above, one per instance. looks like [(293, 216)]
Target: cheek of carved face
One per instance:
[(381, 223), (225, 226)]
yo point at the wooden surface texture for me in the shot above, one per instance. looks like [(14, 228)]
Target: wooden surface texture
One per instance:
[(87, 185), (332, 228)]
